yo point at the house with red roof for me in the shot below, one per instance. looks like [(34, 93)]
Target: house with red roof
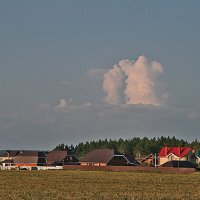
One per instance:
[(168, 154)]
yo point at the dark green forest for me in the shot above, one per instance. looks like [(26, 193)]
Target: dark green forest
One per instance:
[(135, 146)]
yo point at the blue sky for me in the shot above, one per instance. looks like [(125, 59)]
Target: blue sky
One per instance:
[(48, 49)]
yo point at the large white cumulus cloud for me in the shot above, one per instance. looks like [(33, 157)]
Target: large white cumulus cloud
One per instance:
[(141, 85), (111, 85)]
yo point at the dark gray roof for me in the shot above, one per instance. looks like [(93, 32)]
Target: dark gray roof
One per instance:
[(131, 159), (56, 156), (177, 163), (8, 153), (4, 154), (31, 153), (7, 161), (100, 156), (12, 153)]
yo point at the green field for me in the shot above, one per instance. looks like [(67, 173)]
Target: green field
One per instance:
[(97, 185)]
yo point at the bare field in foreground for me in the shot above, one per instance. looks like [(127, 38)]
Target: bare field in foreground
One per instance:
[(97, 185)]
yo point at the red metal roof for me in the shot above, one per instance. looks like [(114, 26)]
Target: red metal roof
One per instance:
[(178, 151)]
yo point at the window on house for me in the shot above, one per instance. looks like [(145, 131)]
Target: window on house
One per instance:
[(117, 158), (171, 157), (41, 160)]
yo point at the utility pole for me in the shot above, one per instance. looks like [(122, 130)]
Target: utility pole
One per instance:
[(155, 160)]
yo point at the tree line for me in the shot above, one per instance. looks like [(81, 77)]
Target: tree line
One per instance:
[(136, 146)]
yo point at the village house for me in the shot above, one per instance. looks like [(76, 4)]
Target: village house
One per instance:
[(105, 157), (8, 155), (7, 158), (30, 158), (176, 154), (60, 158)]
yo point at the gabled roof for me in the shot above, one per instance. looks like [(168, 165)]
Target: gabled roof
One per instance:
[(100, 156), (31, 153), (12, 153), (27, 156), (56, 156), (143, 159), (178, 151), (7, 161), (8, 153), (3, 153), (131, 159)]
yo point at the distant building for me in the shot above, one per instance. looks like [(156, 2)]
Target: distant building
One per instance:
[(30, 158), (105, 157), (7, 164), (176, 154), (60, 158), (146, 160), (8, 154)]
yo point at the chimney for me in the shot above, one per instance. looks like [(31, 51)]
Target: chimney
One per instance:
[(193, 151), (179, 151), (166, 150)]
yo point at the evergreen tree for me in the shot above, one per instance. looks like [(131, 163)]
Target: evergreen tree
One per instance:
[(135, 146)]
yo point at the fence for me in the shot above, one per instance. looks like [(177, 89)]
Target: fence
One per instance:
[(130, 168), (31, 168)]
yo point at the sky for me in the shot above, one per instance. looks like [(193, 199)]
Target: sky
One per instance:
[(76, 71)]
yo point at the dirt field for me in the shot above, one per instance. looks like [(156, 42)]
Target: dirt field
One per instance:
[(97, 185)]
